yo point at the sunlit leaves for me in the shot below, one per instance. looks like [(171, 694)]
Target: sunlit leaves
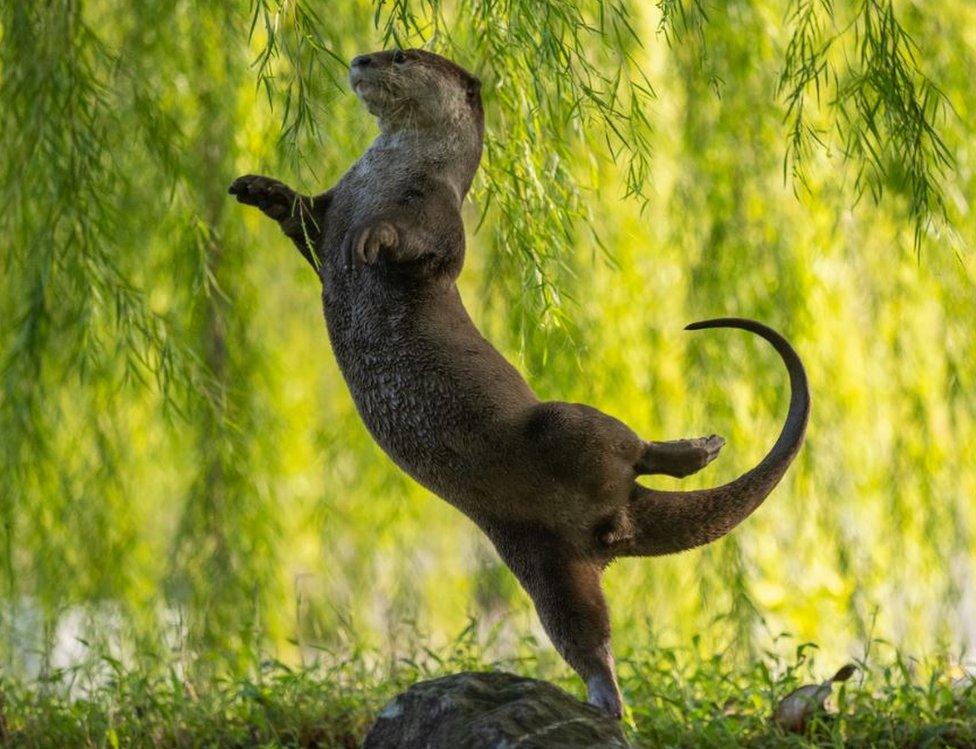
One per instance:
[(885, 114), (294, 34), (168, 397)]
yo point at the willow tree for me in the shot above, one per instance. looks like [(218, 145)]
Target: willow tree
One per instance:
[(180, 461)]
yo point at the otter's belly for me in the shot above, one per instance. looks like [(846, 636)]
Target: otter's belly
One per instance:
[(434, 394), (411, 392), (434, 427)]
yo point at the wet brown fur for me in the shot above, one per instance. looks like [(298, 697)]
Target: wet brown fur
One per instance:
[(552, 484)]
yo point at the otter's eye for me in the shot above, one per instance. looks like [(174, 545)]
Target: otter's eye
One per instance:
[(399, 57)]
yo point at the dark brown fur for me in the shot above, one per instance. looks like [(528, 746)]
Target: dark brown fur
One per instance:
[(551, 484)]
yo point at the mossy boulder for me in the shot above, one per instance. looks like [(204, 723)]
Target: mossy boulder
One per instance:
[(491, 711)]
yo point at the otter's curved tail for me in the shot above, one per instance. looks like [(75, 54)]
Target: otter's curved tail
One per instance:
[(664, 522)]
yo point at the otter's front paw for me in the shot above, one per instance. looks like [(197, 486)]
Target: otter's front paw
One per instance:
[(364, 245), (272, 196)]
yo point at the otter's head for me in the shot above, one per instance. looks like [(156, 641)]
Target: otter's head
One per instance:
[(415, 88)]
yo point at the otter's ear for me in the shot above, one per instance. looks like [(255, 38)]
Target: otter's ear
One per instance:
[(473, 89)]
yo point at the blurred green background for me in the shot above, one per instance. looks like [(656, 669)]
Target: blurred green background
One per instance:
[(182, 472)]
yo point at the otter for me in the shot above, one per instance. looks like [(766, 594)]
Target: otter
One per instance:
[(553, 485)]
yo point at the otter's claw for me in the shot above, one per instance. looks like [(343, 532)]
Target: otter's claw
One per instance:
[(602, 692)]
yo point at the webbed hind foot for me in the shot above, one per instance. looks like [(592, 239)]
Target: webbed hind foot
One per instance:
[(679, 458)]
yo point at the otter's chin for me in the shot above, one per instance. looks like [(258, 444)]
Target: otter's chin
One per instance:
[(369, 92), (371, 97)]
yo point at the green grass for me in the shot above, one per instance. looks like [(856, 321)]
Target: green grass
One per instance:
[(676, 698)]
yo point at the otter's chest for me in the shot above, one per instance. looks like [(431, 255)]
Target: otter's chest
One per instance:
[(379, 180)]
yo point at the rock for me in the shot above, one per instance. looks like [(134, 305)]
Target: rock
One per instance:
[(491, 711)]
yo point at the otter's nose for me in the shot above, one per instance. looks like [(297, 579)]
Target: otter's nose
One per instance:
[(361, 61)]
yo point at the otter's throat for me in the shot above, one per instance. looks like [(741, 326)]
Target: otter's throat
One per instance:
[(449, 153)]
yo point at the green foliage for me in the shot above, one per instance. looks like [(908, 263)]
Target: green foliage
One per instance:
[(677, 698), (886, 111), (182, 468)]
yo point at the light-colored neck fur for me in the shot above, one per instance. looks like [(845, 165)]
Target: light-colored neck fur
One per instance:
[(449, 151)]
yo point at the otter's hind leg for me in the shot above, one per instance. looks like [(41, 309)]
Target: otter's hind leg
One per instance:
[(589, 449), (679, 458), (568, 597)]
